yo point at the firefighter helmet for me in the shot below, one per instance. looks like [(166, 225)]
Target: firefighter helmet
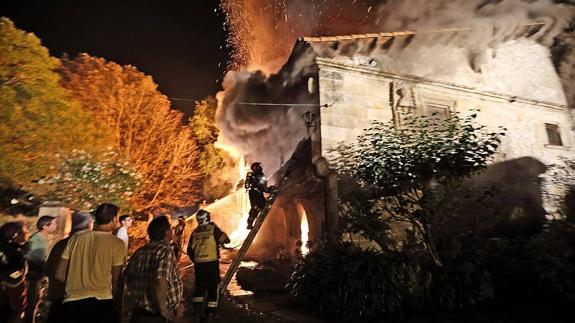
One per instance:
[(203, 216), (256, 167)]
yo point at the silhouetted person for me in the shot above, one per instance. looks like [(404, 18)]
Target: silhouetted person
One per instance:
[(13, 268)]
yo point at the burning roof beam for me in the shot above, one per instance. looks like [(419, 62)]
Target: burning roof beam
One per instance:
[(399, 33)]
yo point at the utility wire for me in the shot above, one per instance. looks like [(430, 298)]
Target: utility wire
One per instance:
[(184, 99), (264, 103), (286, 104)]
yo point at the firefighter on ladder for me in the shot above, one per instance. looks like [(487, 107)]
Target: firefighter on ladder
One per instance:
[(256, 185), (203, 250)]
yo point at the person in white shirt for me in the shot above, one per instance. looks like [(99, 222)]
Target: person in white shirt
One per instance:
[(126, 222)]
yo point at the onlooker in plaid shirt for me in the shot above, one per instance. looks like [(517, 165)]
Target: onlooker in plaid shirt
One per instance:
[(152, 276)]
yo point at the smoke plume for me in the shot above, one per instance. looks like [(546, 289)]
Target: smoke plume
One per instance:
[(263, 36)]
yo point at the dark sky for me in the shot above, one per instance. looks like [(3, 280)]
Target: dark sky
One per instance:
[(180, 43)]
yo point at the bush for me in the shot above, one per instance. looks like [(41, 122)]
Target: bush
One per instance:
[(343, 281), (458, 285), (552, 254), (531, 267)]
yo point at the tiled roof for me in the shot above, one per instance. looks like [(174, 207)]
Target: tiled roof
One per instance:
[(395, 34)]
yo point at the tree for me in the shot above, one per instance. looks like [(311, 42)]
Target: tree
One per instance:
[(399, 171), (215, 164), (126, 104), (38, 120), (84, 181)]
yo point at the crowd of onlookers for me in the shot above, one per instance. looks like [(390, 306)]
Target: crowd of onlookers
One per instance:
[(87, 275)]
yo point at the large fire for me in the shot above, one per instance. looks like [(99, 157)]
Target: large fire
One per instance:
[(231, 212), (262, 32)]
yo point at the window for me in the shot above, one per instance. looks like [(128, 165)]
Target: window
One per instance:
[(437, 111), (438, 108), (553, 134)]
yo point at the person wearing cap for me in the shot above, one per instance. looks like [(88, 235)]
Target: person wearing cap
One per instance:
[(81, 221), (13, 270), (203, 250), (36, 257)]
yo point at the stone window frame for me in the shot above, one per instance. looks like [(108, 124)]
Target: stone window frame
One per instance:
[(553, 131), (427, 103)]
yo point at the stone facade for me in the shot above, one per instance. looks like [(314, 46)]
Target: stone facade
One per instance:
[(517, 87), (355, 93)]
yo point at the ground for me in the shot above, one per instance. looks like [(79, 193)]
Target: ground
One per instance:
[(270, 302), (249, 308)]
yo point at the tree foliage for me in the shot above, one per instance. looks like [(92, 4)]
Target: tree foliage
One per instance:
[(84, 181), (126, 104), (398, 169), (343, 282), (214, 163), (38, 120)]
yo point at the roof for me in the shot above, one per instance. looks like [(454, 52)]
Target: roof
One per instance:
[(400, 33)]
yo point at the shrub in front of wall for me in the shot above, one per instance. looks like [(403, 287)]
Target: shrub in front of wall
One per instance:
[(552, 255), (457, 285), (342, 281)]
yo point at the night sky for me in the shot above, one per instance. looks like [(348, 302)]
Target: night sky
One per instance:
[(181, 44)]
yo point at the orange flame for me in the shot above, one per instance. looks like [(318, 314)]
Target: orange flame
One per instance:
[(304, 234), (231, 211)]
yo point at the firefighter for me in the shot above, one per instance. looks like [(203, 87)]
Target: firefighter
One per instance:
[(256, 185), (13, 268), (203, 250)]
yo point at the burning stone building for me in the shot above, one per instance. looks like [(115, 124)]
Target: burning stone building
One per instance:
[(340, 84)]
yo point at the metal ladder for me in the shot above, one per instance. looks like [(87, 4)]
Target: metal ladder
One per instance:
[(254, 231)]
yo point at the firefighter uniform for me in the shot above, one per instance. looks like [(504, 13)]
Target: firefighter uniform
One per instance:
[(203, 249), (256, 185)]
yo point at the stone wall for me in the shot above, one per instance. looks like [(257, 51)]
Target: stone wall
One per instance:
[(356, 94)]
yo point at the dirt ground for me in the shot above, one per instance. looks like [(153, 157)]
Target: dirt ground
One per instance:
[(231, 309), (270, 302)]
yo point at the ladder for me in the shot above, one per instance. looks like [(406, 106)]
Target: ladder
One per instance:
[(254, 231)]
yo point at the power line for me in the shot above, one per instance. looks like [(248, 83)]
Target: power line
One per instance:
[(287, 104), (264, 103), (184, 99)]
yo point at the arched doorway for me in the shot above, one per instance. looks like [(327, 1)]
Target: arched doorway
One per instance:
[(307, 224)]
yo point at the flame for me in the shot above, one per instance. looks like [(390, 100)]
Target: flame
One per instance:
[(262, 32), (231, 211), (232, 151), (304, 234), (231, 214)]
